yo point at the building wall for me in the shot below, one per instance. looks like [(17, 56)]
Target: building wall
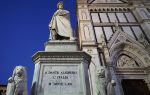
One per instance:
[(115, 32), (3, 89)]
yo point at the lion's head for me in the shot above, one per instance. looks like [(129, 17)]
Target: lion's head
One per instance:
[(19, 71), (101, 72)]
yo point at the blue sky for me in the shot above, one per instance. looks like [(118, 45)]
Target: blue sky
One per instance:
[(24, 30)]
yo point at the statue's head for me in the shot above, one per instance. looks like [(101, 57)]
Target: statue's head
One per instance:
[(60, 5)]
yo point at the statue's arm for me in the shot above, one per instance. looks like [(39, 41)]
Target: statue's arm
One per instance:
[(61, 13)]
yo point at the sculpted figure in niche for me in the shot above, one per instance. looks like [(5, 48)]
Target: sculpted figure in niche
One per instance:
[(60, 27), (101, 81), (87, 32), (17, 84)]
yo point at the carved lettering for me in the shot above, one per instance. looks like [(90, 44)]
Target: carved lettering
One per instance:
[(58, 77)]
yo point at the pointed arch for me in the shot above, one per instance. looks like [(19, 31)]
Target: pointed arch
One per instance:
[(125, 59), (134, 51)]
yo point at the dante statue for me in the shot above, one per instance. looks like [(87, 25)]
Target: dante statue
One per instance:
[(60, 27), (17, 84)]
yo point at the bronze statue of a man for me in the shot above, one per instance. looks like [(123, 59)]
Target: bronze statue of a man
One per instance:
[(60, 27)]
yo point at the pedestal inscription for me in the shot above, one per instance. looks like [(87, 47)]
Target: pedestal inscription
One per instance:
[(61, 79), (61, 73)]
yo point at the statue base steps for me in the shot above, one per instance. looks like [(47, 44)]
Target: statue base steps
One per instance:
[(61, 46)]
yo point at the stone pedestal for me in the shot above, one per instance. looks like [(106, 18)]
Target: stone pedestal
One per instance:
[(61, 46), (61, 70)]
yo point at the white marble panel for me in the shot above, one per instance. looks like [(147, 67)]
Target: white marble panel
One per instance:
[(130, 17), (108, 32), (95, 17), (128, 31), (99, 34), (137, 30), (121, 17), (103, 17), (112, 17)]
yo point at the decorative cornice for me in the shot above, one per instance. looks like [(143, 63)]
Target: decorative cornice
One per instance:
[(60, 56), (109, 5), (135, 71), (114, 8), (82, 1), (112, 24), (62, 42)]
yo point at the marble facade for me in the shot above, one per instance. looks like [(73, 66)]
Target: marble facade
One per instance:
[(123, 53)]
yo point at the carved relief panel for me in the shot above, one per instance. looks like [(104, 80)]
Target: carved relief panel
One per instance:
[(86, 30), (125, 61), (95, 56), (84, 14)]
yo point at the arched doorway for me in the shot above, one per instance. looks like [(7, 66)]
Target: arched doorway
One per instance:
[(134, 87), (130, 70)]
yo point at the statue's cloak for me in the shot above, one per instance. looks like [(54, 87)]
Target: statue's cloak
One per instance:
[(61, 23)]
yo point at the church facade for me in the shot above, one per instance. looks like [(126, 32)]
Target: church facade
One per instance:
[(116, 33)]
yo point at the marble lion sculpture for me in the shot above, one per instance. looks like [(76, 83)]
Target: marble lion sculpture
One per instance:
[(17, 84), (101, 81)]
